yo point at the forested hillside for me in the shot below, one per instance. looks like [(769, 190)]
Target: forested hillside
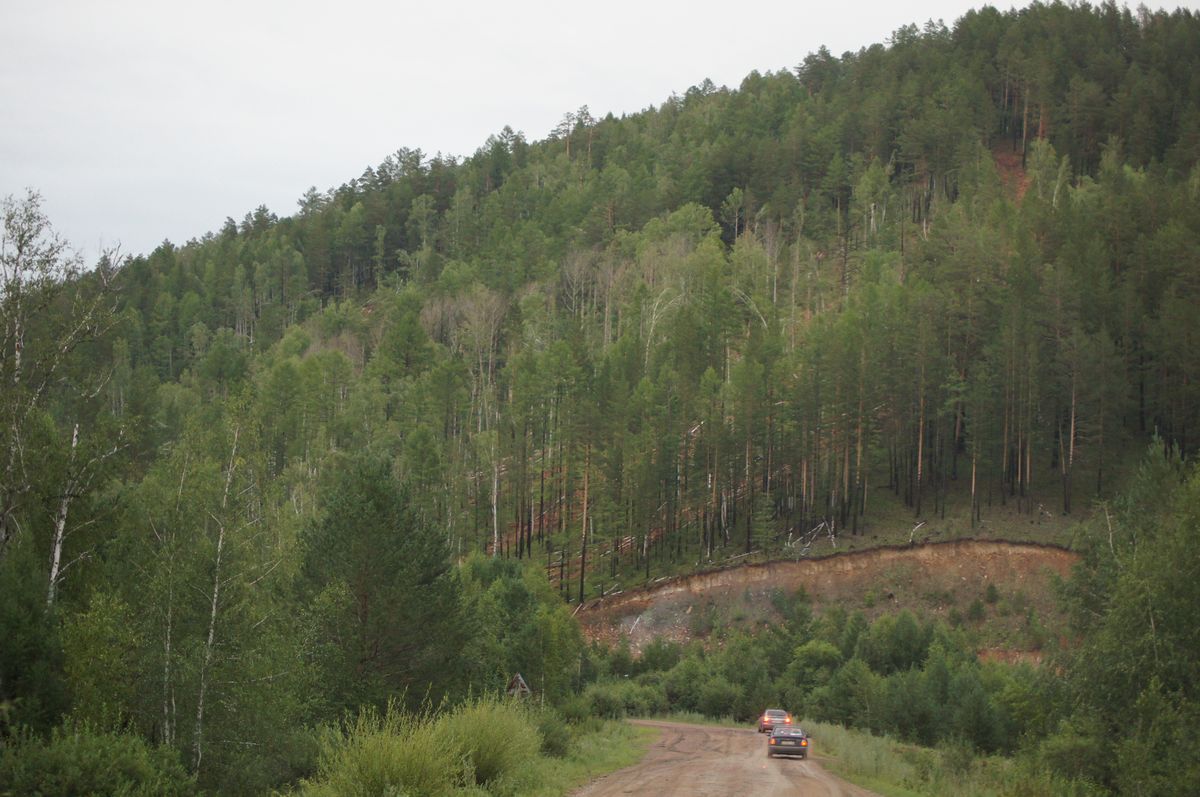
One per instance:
[(240, 474)]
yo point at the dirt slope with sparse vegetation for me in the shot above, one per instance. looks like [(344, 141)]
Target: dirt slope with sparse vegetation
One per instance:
[(948, 579)]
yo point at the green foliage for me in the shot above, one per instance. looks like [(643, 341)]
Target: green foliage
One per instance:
[(486, 746), (32, 688), (720, 326), (615, 699), (525, 629), (101, 664), (659, 655), (976, 611), (389, 753), (497, 738), (80, 760), (1133, 677), (552, 728), (398, 626), (719, 698)]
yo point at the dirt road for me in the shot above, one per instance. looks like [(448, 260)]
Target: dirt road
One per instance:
[(703, 761)]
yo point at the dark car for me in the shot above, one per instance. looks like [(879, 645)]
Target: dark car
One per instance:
[(772, 718), (786, 740)]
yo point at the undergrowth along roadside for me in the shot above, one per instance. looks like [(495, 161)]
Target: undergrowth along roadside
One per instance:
[(486, 747), (896, 769)]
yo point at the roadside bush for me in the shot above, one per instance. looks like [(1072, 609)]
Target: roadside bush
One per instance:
[(619, 698), (1078, 749), (576, 709), (604, 700), (395, 753), (556, 734), (82, 761), (682, 684), (718, 698), (646, 700), (973, 717), (495, 737)]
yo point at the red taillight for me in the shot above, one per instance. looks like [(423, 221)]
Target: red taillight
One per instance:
[(772, 741), (804, 742)]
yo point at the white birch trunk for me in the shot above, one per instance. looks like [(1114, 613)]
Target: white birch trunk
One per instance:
[(198, 747), (60, 524)]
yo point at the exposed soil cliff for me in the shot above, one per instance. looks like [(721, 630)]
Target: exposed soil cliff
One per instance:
[(936, 578)]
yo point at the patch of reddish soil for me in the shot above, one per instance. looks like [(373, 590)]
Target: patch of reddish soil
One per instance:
[(1012, 173), (929, 578)]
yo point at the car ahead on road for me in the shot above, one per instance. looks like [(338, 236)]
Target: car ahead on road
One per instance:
[(787, 740), (772, 718)]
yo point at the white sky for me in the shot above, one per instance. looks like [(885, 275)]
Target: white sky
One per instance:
[(139, 121)]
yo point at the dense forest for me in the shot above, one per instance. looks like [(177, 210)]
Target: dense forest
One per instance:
[(306, 464)]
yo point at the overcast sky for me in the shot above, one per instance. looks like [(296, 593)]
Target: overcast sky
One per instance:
[(144, 121)]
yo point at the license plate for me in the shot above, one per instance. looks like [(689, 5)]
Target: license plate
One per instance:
[(789, 741)]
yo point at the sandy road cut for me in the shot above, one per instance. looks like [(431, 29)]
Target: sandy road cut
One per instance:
[(704, 761)]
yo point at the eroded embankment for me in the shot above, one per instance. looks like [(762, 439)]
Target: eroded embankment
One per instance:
[(931, 578)]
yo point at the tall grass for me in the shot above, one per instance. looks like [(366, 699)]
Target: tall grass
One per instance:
[(897, 769), (600, 748), (496, 738), (394, 753), (489, 748)]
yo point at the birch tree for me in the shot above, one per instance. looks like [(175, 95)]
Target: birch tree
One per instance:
[(48, 309)]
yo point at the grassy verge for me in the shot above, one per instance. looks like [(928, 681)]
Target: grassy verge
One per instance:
[(696, 718), (599, 749), (486, 748), (896, 769)]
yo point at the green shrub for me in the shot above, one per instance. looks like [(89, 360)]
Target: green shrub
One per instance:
[(495, 737), (556, 734), (620, 698), (958, 756), (575, 709), (682, 684), (659, 656), (1035, 632), (718, 698), (1078, 750), (83, 761), (393, 754), (604, 700)]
